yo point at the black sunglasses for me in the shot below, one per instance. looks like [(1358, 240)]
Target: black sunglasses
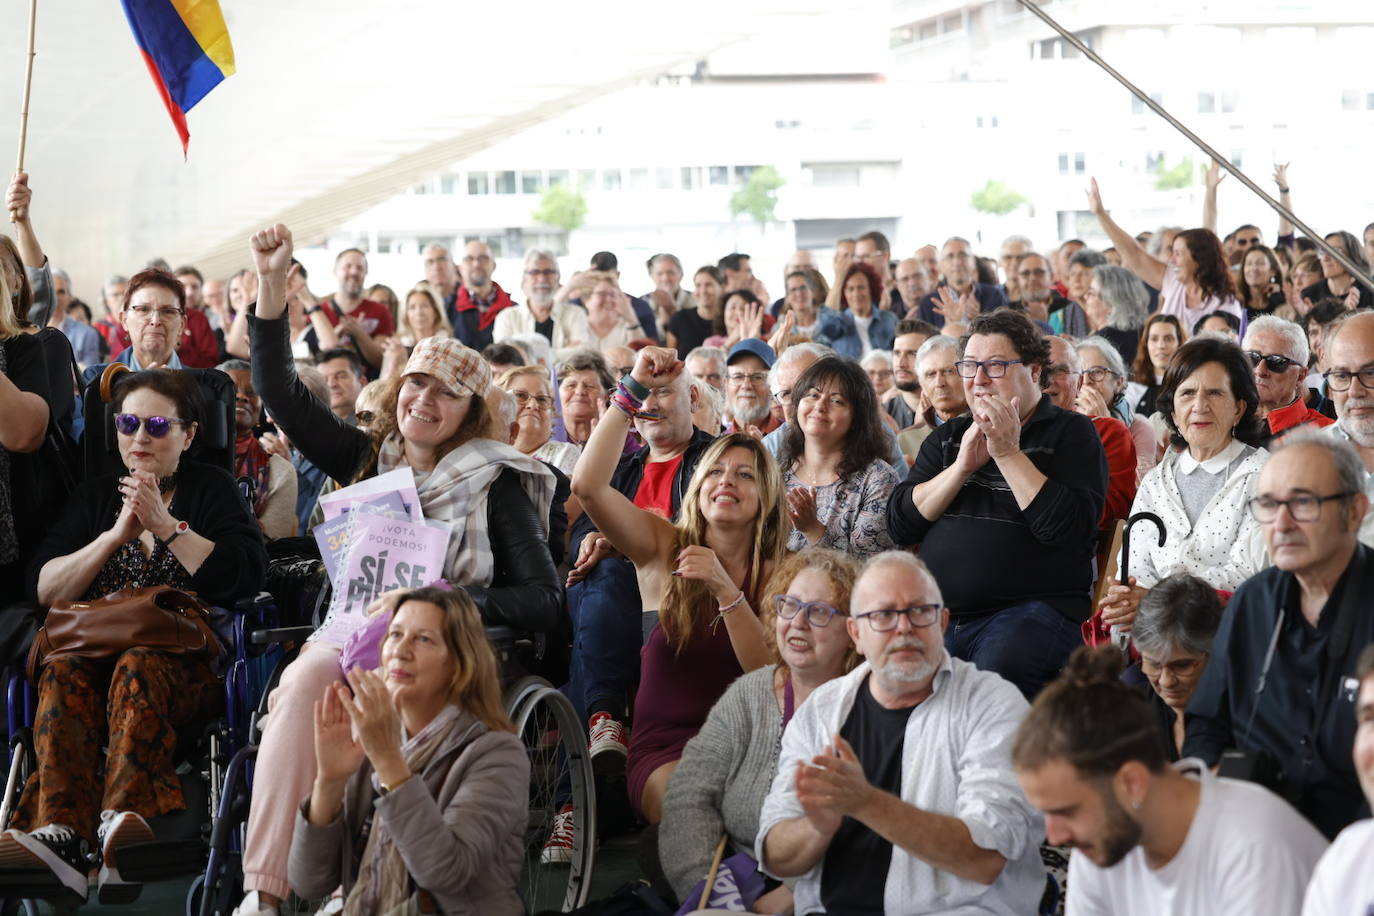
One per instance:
[(1275, 362)]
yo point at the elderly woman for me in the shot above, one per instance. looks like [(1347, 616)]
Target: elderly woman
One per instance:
[(689, 328), (584, 382), (729, 766), (1104, 395), (878, 366), (1116, 304), (166, 520), (1173, 633), (611, 322), (274, 479), (701, 577), (1201, 487), (833, 461), (529, 385), (1196, 278), (710, 408), (422, 781), (860, 325), (153, 315), (1162, 337), (494, 500)]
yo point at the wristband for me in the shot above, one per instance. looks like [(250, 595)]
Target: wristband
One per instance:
[(1283, 190), (312, 310), (726, 609), (177, 532), (633, 387)]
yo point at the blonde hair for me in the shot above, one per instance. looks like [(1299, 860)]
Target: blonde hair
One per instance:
[(476, 684), (684, 599), (10, 325), (841, 569), (403, 329), (538, 372)]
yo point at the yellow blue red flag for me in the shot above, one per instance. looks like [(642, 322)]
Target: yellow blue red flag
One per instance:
[(186, 47)]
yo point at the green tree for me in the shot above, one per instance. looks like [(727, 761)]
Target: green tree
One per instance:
[(759, 196), (561, 207), (996, 198), (1171, 179)]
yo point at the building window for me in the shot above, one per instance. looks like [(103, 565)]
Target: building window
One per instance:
[(1206, 102), (448, 184), (929, 30), (742, 173), (479, 183), (1138, 107), (1350, 99), (422, 188), (1063, 163), (663, 179), (639, 179), (610, 180), (720, 175), (1079, 164), (558, 178), (1230, 102), (531, 182), (835, 176), (505, 182), (586, 178)]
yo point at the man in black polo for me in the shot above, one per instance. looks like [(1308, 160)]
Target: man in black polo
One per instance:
[(1308, 615), (1004, 503)]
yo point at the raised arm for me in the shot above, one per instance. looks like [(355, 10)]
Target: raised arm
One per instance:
[(1213, 177), (641, 536), (18, 201), (1286, 227), (1133, 255)]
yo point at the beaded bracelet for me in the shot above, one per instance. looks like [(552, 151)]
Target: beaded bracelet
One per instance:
[(725, 609)]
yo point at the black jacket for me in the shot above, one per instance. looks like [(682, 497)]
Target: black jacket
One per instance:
[(986, 552), (1305, 718), (524, 593)]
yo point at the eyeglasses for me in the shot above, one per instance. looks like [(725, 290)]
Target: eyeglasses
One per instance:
[(1181, 668), (365, 417), (147, 311), (995, 368), (1097, 373), (1304, 508), (1062, 369), (922, 615), (1272, 361), (523, 398), (752, 377), (1340, 379), (784, 396), (621, 371), (818, 613), (1038, 272), (546, 272), (128, 424)]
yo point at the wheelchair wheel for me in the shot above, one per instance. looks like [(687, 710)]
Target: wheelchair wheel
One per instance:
[(560, 774)]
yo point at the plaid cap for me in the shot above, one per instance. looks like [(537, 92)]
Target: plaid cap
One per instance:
[(459, 367)]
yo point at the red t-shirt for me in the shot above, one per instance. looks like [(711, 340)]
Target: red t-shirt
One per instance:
[(375, 317), (655, 491)]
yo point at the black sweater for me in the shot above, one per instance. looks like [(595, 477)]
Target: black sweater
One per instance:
[(206, 498), (985, 551), (524, 593)]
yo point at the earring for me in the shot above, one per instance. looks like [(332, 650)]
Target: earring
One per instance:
[(1135, 805)]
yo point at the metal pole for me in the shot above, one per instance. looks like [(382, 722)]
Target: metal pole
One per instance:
[(1217, 157), (17, 215)]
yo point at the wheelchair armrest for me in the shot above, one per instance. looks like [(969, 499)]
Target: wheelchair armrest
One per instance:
[(254, 605), (279, 635), (504, 638)]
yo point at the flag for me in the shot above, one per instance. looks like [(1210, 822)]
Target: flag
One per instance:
[(186, 47)]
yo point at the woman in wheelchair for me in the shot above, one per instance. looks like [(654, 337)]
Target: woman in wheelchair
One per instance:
[(167, 521), (430, 798), (495, 499)]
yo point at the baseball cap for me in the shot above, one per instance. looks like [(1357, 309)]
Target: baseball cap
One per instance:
[(753, 347), (459, 367)]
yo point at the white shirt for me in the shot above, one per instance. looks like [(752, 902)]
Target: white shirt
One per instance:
[(569, 325), (1343, 884), (562, 455), (861, 325), (956, 761), (1173, 300), (1224, 548), (1247, 853)]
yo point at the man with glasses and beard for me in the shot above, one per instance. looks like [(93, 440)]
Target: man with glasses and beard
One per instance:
[(563, 325), (1350, 384), (894, 792), (1150, 838), (747, 396), (906, 408)]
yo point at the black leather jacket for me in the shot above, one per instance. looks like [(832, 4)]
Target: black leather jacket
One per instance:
[(524, 593)]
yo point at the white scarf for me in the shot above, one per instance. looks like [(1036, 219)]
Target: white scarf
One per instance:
[(456, 492)]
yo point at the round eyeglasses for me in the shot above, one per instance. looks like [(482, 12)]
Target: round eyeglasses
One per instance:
[(921, 615), (818, 613), (128, 424)]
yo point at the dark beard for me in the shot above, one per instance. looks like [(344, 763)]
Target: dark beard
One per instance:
[(1120, 834), (908, 387)]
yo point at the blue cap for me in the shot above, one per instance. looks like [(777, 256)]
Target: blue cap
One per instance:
[(754, 347)]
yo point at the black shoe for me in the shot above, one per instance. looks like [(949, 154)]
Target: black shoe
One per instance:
[(55, 848)]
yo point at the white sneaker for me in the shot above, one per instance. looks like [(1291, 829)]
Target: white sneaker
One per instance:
[(118, 829), (254, 905)]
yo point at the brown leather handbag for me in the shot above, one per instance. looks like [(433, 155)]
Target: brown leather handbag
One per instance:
[(157, 617)]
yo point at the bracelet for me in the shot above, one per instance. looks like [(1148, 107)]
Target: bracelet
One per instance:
[(1283, 190), (733, 604), (312, 310), (636, 390)]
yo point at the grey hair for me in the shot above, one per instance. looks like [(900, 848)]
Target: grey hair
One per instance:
[(505, 403), (1109, 353), (540, 254), (314, 381), (1180, 612), (1299, 350), (62, 274), (235, 365), (715, 354), (1350, 472), (938, 342), (665, 256), (1157, 240), (903, 559), (111, 281), (877, 358), (794, 353), (1125, 295), (1018, 240), (536, 347), (710, 396)]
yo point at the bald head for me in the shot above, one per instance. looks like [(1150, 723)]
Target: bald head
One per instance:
[(912, 281)]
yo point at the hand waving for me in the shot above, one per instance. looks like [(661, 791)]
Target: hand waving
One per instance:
[(1095, 198)]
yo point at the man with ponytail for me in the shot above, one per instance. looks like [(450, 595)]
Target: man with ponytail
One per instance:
[(1151, 838)]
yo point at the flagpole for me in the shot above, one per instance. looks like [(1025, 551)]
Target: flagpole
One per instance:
[(16, 215)]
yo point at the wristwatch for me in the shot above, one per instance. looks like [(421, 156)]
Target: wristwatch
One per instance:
[(177, 532), (313, 309)]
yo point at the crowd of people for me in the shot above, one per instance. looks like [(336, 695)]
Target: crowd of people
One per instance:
[(817, 570)]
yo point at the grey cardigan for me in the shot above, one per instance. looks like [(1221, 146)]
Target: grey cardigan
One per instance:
[(722, 780), (460, 826)]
